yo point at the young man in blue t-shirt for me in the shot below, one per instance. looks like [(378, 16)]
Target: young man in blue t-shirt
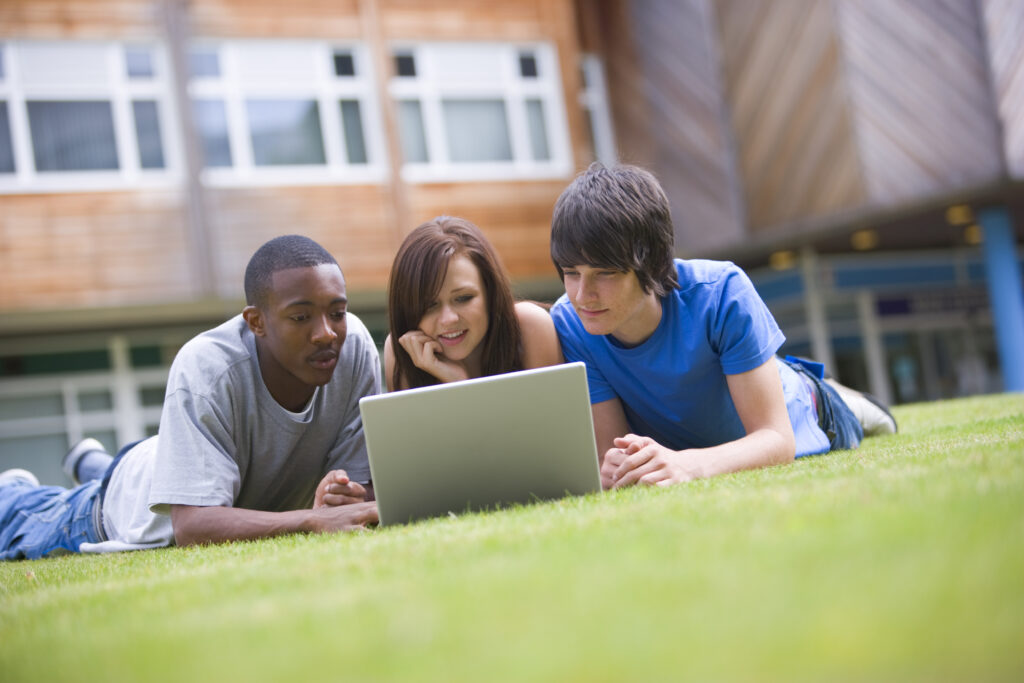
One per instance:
[(680, 354)]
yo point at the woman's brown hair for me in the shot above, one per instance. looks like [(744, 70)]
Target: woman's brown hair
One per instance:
[(416, 277)]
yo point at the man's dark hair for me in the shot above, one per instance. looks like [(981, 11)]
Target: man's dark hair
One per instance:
[(280, 253), (616, 218)]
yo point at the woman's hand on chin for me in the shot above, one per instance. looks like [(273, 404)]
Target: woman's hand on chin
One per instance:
[(426, 354)]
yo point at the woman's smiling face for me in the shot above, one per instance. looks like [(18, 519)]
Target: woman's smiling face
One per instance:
[(457, 317)]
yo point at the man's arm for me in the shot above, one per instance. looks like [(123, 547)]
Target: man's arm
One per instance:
[(761, 406), (195, 525), (609, 424)]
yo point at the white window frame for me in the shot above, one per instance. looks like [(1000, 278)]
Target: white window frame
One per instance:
[(325, 88), (429, 88), (120, 91)]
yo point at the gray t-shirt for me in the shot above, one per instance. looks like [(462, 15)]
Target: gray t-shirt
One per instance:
[(224, 440)]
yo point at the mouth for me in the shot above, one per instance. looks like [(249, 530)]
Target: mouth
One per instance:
[(591, 314), (452, 338), (324, 360)]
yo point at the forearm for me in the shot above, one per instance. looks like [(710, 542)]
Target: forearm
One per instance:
[(761, 448), (200, 525)]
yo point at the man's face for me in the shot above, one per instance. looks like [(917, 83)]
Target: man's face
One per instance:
[(612, 302), (300, 330)]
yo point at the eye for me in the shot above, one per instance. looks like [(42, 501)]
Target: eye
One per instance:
[(569, 272), (338, 315), (464, 298), (299, 317), (432, 305)]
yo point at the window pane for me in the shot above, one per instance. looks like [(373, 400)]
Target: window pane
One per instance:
[(477, 130), (285, 132), (138, 62), (147, 131), (538, 130), (410, 125), (72, 136), (405, 65), (344, 65), (45, 405), (6, 149), (152, 396), (527, 65), (203, 63), (94, 401), (212, 125), (352, 123)]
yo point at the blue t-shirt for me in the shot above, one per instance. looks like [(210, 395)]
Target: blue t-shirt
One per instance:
[(673, 386)]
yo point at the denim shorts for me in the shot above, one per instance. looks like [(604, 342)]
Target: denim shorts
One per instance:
[(37, 521), (835, 418)]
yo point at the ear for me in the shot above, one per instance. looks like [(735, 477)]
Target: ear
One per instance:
[(254, 319)]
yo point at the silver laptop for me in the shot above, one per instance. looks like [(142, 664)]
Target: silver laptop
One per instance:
[(481, 444)]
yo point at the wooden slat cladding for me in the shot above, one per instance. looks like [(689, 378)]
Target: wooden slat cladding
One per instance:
[(796, 151), (77, 18), (1004, 21), (401, 19), (687, 116), (920, 96), (94, 249)]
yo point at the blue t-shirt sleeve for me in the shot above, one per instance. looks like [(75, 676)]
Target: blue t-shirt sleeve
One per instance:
[(743, 330), (575, 343)]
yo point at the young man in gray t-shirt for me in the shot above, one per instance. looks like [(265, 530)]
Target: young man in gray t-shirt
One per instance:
[(260, 433)]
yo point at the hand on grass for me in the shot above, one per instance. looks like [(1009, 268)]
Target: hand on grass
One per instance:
[(337, 489), (642, 460), (426, 354)]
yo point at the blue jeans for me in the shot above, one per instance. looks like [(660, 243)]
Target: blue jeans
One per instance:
[(36, 521), (835, 418)]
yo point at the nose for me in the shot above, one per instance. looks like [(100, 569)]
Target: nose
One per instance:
[(323, 331), (584, 289), (448, 316)]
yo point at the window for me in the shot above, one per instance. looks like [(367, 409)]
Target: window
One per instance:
[(83, 115), (469, 111), (276, 112)]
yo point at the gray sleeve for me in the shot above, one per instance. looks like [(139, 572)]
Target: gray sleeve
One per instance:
[(195, 463), (349, 452)]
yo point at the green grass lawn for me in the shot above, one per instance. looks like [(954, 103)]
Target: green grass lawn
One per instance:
[(903, 560)]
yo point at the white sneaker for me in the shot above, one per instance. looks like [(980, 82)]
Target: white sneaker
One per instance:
[(70, 462), (13, 475), (873, 416)]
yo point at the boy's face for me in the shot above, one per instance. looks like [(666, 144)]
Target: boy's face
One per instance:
[(612, 302), (300, 330)]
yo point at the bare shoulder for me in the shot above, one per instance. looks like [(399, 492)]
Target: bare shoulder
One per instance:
[(540, 341)]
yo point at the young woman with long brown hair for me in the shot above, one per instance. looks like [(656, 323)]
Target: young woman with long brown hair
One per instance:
[(450, 307)]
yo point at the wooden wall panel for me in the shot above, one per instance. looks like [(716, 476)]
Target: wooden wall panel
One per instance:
[(797, 156), (920, 96), (1004, 22), (93, 19), (92, 249), (328, 19), (691, 152)]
